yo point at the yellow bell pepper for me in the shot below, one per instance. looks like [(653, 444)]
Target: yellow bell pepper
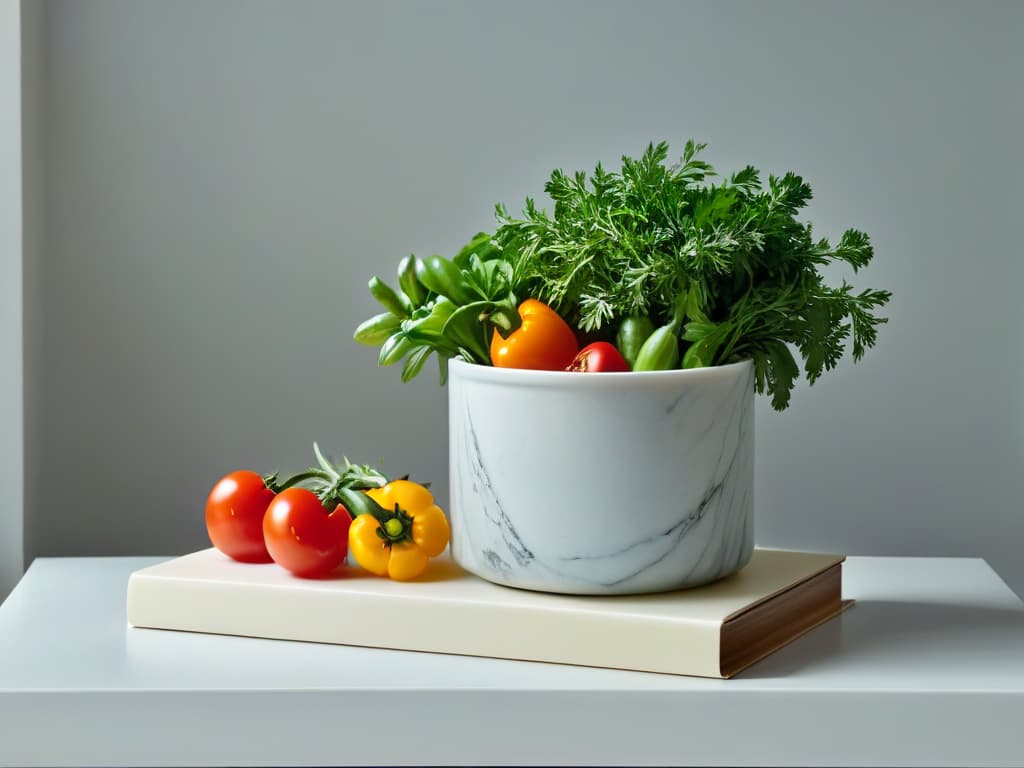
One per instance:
[(400, 540)]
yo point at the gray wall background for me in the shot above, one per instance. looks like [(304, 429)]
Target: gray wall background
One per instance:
[(221, 179), (11, 413)]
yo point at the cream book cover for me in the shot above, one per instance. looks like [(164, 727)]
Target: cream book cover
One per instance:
[(710, 631)]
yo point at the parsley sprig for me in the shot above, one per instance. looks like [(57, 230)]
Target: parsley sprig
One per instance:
[(654, 237)]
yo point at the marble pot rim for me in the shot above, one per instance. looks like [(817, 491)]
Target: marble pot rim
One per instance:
[(610, 380)]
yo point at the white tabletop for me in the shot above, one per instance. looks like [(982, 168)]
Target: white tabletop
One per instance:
[(926, 669)]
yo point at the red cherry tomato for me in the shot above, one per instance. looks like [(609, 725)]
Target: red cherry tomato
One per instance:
[(302, 536), (234, 516), (599, 357)]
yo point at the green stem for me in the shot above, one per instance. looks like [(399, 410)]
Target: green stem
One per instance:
[(277, 486), (478, 345), (679, 308), (353, 476), (506, 318), (396, 527), (358, 503), (323, 462), (361, 478)]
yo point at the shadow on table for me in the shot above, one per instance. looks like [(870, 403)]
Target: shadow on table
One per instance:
[(895, 636), (439, 569)]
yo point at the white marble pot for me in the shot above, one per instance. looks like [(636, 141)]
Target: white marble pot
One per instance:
[(601, 483)]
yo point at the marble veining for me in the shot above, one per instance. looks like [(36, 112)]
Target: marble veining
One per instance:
[(642, 485), (492, 507)]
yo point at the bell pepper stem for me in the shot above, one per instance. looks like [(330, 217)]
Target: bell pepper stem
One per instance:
[(358, 503), (505, 318)]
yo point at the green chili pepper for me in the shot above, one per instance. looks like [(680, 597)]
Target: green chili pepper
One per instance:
[(443, 278), (376, 330), (386, 295), (633, 332), (409, 283), (661, 350)]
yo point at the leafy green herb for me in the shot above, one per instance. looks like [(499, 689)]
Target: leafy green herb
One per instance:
[(722, 269), (443, 306), (654, 238)]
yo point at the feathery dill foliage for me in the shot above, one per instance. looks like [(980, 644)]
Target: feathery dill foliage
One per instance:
[(728, 261)]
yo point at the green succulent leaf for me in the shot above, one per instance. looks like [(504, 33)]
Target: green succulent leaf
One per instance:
[(414, 362)]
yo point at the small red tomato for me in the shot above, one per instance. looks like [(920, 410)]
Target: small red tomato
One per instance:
[(599, 357), (234, 516), (302, 536)]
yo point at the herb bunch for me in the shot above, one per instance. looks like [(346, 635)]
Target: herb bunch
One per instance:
[(726, 263), (443, 307)]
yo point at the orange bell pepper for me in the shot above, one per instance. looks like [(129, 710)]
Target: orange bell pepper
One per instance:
[(543, 342)]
